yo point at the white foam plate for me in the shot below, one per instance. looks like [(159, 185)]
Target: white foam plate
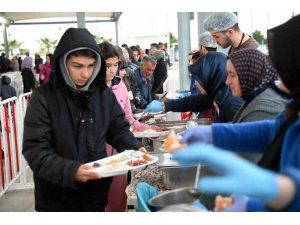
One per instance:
[(117, 164)]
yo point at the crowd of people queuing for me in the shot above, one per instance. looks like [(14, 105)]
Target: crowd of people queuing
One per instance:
[(88, 93)]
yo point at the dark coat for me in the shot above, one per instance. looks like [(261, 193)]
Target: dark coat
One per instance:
[(65, 128), (210, 71), (160, 74), (7, 91)]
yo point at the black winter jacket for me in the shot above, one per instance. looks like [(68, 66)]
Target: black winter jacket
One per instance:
[(65, 128)]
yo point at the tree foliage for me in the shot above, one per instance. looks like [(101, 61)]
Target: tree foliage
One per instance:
[(259, 37), (12, 45), (173, 39), (47, 45)]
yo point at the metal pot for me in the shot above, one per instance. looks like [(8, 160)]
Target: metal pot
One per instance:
[(180, 196)]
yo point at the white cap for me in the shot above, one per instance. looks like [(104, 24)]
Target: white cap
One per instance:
[(220, 21), (206, 40)]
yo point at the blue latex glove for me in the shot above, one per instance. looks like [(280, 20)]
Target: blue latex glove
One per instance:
[(238, 175), (239, 205), (154, 106), (200, 133)]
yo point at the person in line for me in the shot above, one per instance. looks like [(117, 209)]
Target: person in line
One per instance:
[(27, 74), (45, 69), (117, 198), (225, 30), (160, 73), (67, 123), (130, 82), (277, 186), (144, 79), (14, 64), (7, 91), (210, 71), (252, 77)]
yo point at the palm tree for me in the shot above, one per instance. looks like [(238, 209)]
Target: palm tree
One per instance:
[(12, 45), (47, 45)]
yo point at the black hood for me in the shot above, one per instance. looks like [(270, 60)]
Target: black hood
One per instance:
[(284, 51), (72, 39), (210, 71), (5, 80)]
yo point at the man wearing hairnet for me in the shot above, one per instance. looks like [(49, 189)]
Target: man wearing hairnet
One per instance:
[(226, 32)]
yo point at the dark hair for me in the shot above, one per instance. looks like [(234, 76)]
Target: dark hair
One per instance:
[(108, 50), (134, 48), (155, 45), (83, 52), (196, 55), (210, 49), (50, 56)]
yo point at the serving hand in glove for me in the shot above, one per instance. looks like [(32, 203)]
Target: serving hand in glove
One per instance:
[(238, 175), (202, 133), (154, 106)]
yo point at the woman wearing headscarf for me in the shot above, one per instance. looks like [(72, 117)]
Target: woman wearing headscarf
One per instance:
[(278, 139), (252, 77), (210, 71)]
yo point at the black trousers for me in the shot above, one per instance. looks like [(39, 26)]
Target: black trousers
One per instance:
[(28, 80)]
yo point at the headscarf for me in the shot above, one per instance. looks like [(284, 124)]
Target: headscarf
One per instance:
[(254, 71), (210, 71)]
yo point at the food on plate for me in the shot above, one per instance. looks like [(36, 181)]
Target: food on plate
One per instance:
[(146, 118), (222, 202), (137, 162), (147, 157), (116, 160), (96, 165), (153, 129), (116, 166), (171, 143)]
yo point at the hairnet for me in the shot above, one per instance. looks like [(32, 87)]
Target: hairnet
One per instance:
[(206, 40), (220, 21)]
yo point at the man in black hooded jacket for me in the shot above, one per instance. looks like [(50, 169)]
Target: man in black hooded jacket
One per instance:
[(67, 124)]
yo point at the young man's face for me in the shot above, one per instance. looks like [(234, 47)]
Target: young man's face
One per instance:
[(222, 39), (80, 69)]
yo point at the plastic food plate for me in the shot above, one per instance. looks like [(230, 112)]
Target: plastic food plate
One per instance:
[(138, 115), (118, 164)]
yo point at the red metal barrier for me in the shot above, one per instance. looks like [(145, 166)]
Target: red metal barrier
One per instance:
[(7, 128)]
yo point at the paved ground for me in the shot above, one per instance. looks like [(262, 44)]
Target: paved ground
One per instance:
[(23, 200)]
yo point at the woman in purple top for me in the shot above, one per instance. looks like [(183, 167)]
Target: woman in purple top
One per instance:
[(45, 69)]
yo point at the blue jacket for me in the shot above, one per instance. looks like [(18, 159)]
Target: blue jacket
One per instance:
[(255, 137), (145, 91)]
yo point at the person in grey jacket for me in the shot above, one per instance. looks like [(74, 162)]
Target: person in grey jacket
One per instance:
[(67, 123), (252, 77)]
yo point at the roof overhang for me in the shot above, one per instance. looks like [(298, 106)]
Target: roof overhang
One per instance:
[(15, 18)]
